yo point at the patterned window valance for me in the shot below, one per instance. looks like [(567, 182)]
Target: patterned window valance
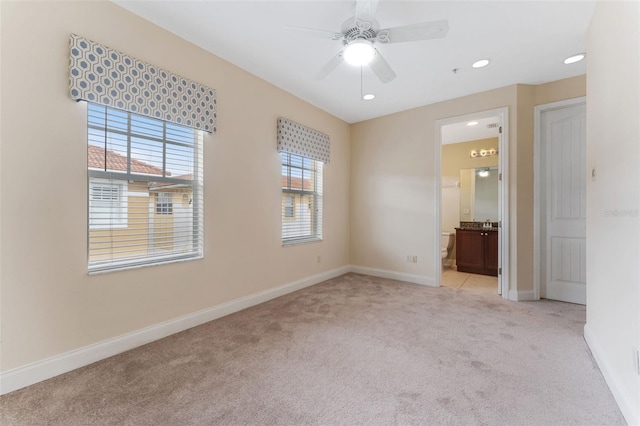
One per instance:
[(105, 76), (298, 139)]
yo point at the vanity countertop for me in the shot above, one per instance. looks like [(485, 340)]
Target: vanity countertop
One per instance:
[(475, 228)]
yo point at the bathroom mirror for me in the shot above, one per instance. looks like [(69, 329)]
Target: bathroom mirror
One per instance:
[(479, 194)]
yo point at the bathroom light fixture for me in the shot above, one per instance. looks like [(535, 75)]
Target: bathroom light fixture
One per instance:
[(369, 97), (472, 123), (481, 63), (483, 173), (575, 58), (475, 153), (359, 52)]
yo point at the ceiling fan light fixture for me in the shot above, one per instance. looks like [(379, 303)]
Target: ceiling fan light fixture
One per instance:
[(369, 97), (359, 52), (481, 63)]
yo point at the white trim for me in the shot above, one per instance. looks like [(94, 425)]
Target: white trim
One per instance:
[(394, 275), (137, 194), (522, 295), (21, 377), (537, 122), (631, 415), (503, 162)]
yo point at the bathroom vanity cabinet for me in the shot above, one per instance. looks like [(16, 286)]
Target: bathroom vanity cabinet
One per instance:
[(477, 251)]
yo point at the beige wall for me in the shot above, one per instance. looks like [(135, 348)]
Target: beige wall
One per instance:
[(393, 183), (613, 199), (49, 303)]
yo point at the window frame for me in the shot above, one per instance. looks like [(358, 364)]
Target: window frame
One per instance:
[(315, 169), (110, 176)]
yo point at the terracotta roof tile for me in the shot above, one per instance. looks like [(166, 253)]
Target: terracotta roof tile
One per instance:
[(296, 183), (115, 161)]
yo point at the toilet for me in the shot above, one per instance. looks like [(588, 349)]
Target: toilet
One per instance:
[(447, 239)]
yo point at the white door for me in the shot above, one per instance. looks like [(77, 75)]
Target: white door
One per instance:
[(563, 204)]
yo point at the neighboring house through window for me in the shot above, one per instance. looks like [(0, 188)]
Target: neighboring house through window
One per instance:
[(301, 199), (138, 167)]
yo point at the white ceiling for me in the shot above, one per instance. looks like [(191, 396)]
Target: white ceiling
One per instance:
[(461, 132), (526, 42)]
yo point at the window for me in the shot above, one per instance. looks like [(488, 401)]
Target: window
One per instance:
[(164, 203), (289, 208), (107, 204), (136, 166), (302, 199)]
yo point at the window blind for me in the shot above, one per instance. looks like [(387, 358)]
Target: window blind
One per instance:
[(145, 190), (302, 193)]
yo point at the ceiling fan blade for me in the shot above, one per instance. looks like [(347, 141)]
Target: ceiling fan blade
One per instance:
[(365, 9), (329, 66), (423, 31), (381, 68), (312, 32)]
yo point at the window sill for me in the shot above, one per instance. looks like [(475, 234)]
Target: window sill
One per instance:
[(124, 266), (296, 242)]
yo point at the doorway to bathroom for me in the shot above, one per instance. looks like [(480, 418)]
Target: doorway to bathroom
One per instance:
[(472, 201)]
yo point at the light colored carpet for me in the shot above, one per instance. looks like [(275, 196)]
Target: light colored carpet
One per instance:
[(349, 351)]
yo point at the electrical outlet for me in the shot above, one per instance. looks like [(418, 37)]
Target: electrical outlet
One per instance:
[(412, 258)]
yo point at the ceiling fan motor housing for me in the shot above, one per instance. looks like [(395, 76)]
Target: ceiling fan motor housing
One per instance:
[(353, 29)]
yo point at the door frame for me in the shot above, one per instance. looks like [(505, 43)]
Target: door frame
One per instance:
[(537, 189), (503, 166)]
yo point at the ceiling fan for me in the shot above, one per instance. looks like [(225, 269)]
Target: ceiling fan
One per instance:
[(360, 34)]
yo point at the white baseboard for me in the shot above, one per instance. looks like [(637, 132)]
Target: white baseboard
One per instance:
[(394, 275), (522, 295), (629, 410), (21, 377)]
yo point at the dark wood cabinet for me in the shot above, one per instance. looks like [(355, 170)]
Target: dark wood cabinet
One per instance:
[(477, 251)]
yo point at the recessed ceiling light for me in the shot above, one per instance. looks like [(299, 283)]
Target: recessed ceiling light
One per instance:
[(369, 97), (472, 123), (481, 63), (359, 52), (574, 58)]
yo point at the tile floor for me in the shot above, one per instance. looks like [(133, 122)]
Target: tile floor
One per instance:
[(466, 281)]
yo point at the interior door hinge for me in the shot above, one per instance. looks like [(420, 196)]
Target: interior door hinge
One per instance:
[(499, 271), (499, 176), (500, 130), (499, 224)]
